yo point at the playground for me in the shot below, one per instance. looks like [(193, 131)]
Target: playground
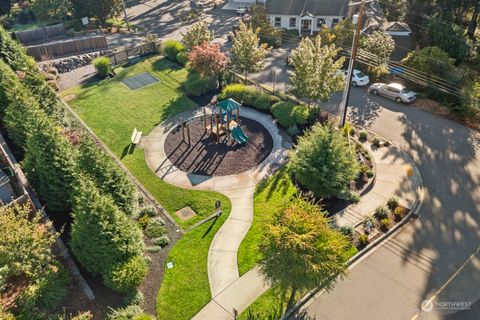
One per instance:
[(220, 142)]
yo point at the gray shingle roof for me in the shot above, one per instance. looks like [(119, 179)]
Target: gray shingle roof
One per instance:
[(314, 7)]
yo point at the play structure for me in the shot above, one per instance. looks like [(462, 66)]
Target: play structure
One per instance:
[(225, 121)]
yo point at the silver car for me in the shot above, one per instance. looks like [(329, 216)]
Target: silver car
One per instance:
[(394, 91)]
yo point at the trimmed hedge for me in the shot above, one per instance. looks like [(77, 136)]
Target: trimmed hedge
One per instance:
[(289, 114), (195, 85), (102, 65), (248, 96), (171, 48)]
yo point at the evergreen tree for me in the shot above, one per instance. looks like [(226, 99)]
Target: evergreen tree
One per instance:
[(50, 165), (108, 177), (324, 163), (102, 238)]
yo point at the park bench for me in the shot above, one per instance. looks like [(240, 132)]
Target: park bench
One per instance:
[(136, 135)]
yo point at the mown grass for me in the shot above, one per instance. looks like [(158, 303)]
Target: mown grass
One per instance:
[(269, 196), (112, 111)]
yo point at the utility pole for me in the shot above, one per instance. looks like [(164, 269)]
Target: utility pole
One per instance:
[(353, 55), (125, 13)]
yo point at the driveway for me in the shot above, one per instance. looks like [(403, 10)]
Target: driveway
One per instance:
[(163, 17)]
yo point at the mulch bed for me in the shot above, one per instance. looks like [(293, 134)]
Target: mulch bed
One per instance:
[(206, 156)]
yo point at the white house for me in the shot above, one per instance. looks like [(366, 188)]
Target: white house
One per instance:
[(306, 16)]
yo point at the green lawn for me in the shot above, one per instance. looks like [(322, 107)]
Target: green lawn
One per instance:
[(112, 111), (269, 196)]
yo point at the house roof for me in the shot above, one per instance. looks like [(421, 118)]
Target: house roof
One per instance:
[(313, 7), (396, 26)]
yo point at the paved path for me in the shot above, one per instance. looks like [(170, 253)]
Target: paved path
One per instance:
[(394, 178), (229, 290)]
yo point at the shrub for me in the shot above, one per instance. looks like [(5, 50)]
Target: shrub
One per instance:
[(363, 135), (324, 163), (182, 57), (239, 93), (162, 241), (376, 142), (143, 221), (347, 129), (52, 288), (154, 249), (400, 211), (380, 213), (126, 313), (289, 115), (195, 85), (171, 48), (385, 224), (127, 276), (363, 240), (397, 215), (293, 131), (147, 211), (392, 203), (102, 65), (143, 316), (347, 231), (154, 229), (81, 316), (133, 297)]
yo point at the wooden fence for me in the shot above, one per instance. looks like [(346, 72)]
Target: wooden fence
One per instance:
[(69, 47), (121, 57), (40, 35)]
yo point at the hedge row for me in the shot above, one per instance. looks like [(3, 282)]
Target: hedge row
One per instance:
[(172, 49), (195, 85), (288, 114), (68, 170)]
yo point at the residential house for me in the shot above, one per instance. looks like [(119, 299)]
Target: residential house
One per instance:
[(306, 16), (398, 30)]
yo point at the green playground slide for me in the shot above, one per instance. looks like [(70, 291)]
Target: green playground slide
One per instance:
[(238, 135)]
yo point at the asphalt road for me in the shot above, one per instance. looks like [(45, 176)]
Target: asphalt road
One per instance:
[(433, 258)]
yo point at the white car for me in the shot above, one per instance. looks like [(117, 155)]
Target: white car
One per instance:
[(394, 91), (358, 78)]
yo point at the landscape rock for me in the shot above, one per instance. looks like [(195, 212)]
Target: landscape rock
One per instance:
[(68, 64)]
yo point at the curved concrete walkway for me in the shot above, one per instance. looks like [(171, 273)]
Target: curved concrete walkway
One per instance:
[(232, 294), (222, 256)]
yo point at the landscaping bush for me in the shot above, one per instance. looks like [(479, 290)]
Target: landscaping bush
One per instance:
[(380, 213), (143, 221), (171, 48), (154, 249), (376, 142), (392, 203), (147, 211), (127, 276), (104, 240), (155, 229), (162, 241), (397, 215), (363, 240), (400, 211), (51, 288), (134, 297), (107, 175), (264, 101), (182, 58), (385, 224), (248, 96), (289, 115), (347, 231), (126, 313), (324, 163), (363, 136), (195, 85), (102, 65)]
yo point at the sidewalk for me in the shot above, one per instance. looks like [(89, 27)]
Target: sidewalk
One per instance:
[(394, 178)]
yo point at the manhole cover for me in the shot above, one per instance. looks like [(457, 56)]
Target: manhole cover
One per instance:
[(186, 213)]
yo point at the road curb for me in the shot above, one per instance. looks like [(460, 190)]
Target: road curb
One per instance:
[(380, 241)]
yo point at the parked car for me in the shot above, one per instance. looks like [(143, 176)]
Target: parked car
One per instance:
[(394, 91), (358, 78)]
